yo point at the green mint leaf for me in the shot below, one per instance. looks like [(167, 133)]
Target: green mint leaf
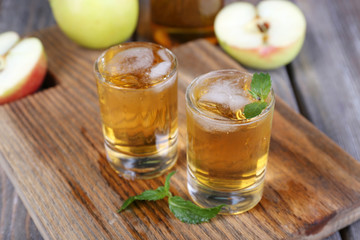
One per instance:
[(188, 212), (167, 181), (254, 95), (253, 109), (152, 195), (126, 203), (260, 85), (149, 195)]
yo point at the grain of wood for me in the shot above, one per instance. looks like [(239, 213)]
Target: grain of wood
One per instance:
[(23, 17), (54, 156), (327, 71), (15, 222), (332, 96)]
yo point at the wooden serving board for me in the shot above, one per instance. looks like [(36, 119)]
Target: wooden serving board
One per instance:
[(52, 150)]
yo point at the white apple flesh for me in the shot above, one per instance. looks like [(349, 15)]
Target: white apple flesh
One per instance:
[(7, 41), (264, 37), (23, 70)]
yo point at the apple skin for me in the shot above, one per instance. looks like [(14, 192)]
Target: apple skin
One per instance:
[(96, 24), (266, 36), (265, 57), (29, 84)]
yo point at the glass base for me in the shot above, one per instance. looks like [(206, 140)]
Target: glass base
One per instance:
[(236, 201), (172, 36), (141, 167)]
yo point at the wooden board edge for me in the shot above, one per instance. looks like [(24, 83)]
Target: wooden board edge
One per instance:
[(10, 174), (333, 224), (306, 123)]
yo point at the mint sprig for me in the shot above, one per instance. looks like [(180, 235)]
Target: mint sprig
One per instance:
[(185, 211), (259, 89), (254, 109), (188, 212)]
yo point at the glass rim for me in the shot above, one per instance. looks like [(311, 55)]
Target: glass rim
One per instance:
[(169, 76), (190, 104)]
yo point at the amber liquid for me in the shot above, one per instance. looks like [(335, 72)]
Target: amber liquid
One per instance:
[(141, 122), (227, 154), (139, 117), (228, 160), (177, 21)]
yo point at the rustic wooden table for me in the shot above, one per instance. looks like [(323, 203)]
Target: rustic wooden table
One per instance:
[(313, 84)]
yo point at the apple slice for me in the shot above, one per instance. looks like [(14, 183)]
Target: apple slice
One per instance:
[(265, 37), (23, 67), (7, 41)]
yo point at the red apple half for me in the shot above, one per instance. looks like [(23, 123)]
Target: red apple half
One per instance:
[(22, 66)]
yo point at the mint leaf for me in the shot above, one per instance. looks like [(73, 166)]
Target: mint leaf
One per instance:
[(253, 109), (188, 212), (152, 195), (260, 86), (260, 89), (126, 203), (149, 195), (167, 181), (254, 95)]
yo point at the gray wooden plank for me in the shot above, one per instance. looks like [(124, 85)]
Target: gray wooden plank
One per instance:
[(15, 222), (335, 236), (23, 17), (326, 74), (352, 232), (328, 67)]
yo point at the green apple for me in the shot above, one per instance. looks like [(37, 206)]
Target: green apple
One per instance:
[(264, 37), (22, 66), (96, 23)]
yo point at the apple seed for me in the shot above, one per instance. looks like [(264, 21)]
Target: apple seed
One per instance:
[(264, 27)]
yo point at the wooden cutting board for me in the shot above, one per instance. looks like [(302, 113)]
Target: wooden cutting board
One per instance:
[(52, 150)]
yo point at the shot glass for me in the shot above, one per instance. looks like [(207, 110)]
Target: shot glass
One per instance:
[(137, 88), (226, 153)]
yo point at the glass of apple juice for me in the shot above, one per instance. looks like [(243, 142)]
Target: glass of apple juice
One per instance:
[(137, 88), (226, 153), (177, 21)]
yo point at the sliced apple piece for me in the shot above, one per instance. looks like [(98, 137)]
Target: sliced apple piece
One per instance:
[(24, 67), (7, 41), (264, 37)]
